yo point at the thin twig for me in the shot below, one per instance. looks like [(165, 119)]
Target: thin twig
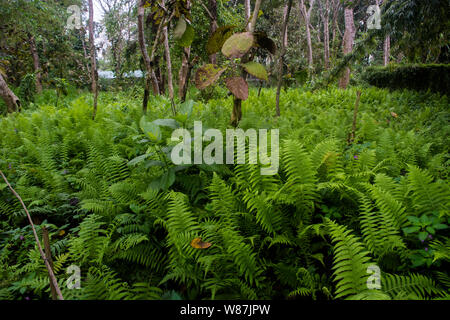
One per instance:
[(206, 9), (47, 264)]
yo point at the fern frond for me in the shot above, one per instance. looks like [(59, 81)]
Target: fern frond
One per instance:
[(351, 261)]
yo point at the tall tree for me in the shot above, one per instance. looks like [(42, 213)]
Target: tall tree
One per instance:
[(93, 57), (284, 44), (306, 14), (11, 100), (347, 46), (335, 24), (387, 50), (325, 15), (186, 67), (36, 63), (387, 43), (150, 77), (168, 58), (248, 13)]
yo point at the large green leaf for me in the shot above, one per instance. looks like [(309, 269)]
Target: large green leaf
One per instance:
[(256, 69), (152, 130), (188, 36), (218, 38), (238, 45), (207, 75), (171, 123), (164, 182)]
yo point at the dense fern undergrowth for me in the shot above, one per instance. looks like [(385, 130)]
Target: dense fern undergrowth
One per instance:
[(117, 207)]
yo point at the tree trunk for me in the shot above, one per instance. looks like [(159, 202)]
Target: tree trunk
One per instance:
[(36, 63), (159, 74), (326, 35), (248, 13), (11, 100), (183, 74), (86, 57), (255, 16), (284, 44), (148, 69), (93, 58), (285, 16), (347, 46), (213, 26), (335, 26), (150, 77), (306, 15), (387, 50), (48, 256), (168, 60)]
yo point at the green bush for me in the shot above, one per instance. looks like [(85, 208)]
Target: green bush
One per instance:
[(433, 77)]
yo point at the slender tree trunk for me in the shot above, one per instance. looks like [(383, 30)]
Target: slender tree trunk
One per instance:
[(183, 74), (255, 16), (349, 37), (86, 57), (143, 47), (168, 60), (150, 77), (213, 26), (306, 16), (285, 16), (48, 256), (159, 74), (326, 35), (335, 26), (36, 63), (387, 43), (11, 100), (248, 13), (93, 58), (387, 50), (284, 44)]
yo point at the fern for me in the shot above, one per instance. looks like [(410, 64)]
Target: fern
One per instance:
[(414, 286), (351, 261), (427, 196)]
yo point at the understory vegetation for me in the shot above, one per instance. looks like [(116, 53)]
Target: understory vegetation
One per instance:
[(117, 207)]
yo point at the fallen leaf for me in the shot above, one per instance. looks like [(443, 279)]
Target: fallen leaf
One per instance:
[(197, 243)]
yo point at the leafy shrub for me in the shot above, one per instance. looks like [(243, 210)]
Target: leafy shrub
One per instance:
[(433, 77)]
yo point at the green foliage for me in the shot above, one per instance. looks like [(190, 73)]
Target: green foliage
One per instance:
[(116, 206), (351, 261), (413, 77)]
